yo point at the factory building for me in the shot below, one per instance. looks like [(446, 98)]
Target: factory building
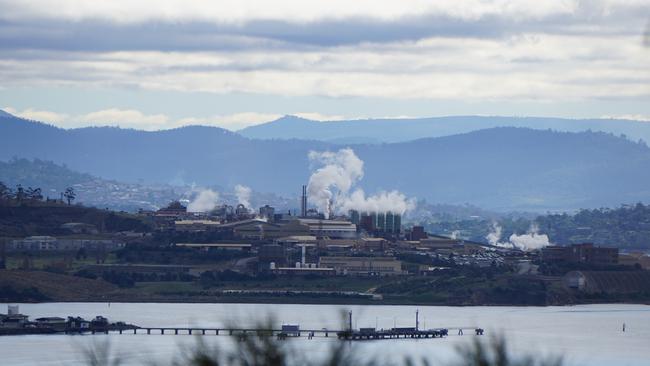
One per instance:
[(582, 253), (379, 223), (259, 229), (267, 212), (330, 228), (377, 266)]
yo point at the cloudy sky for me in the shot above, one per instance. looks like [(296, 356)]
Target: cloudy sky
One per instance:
[(165, 63)]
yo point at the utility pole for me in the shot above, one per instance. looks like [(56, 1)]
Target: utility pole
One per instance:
[(417, 319), (350, 320)]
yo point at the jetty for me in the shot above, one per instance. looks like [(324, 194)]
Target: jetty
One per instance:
[(293, 331), (15, 323)]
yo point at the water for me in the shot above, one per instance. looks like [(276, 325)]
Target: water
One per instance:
[(584, 335)]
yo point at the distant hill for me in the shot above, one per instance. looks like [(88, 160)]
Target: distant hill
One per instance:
[(53, 179), (399, 130), (41, 173), (498, 168)]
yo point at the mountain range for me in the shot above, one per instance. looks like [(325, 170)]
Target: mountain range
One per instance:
[(405, 129), (501, 168)]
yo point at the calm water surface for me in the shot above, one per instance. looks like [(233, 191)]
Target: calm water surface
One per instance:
[(584, 335)]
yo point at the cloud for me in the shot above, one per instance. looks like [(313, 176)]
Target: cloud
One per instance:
[(572, 67), (462, 50), (299, 11), (231, 122), (38, 115), (314, 116), (124, 117), (131, 118), (632, 117)]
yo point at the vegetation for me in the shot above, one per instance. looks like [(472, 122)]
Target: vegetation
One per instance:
[(11, 294), (40, 173), (462, 287), (24, 212), (626, 227), (152, 252)]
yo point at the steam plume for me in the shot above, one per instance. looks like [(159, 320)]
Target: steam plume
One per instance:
[(393, 201), (243, 194), (532, 240), (331, 186), (495, 234), (205, 201)]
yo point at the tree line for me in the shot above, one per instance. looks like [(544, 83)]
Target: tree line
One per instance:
[(21, 194)]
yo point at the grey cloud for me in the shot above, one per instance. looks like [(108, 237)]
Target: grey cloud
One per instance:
[(194, 36)]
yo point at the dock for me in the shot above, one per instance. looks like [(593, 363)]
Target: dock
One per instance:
[(242, 333), (100, 325)]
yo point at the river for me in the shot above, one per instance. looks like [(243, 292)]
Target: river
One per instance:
[(583, 335)]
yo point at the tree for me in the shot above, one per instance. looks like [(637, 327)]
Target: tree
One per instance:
[(20, 193), (5, 192), (69, 195), (34, 194)]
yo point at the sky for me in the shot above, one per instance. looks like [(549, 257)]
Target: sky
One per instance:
[(168, 63)]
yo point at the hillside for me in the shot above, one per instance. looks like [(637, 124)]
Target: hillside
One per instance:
[(498, 168), (41, 173), (400, 130), (53, 179), (24, 286), (46, 219)]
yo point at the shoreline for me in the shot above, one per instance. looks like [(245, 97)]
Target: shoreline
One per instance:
[(317, 302)]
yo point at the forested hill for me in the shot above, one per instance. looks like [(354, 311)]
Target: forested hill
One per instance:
[(498, 168), (40, 173), (624, 227), (406, 129)]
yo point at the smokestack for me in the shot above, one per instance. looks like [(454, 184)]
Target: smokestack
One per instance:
[(303, 259), (303, 202)]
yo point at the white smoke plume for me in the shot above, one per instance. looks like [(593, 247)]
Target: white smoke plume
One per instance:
[(340, 171), (243, 194), (392, 201), (455, 234), (530, 241), (494, 236), (330, 186), (206, 200)]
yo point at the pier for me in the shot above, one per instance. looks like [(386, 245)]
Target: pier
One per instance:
[(101, 325), (242, 333), (292, 331)]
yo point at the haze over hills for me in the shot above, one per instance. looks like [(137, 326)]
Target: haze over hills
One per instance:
[(399, 130), (497, 168)]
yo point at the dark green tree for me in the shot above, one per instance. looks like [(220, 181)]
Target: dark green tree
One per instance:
[(34, 194), (20, 194), (69, 195), (5, 192)]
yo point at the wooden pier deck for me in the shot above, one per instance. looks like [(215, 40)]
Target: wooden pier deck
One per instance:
[(242, 333)]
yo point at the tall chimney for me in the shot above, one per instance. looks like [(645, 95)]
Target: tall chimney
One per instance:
[(303, 202)]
